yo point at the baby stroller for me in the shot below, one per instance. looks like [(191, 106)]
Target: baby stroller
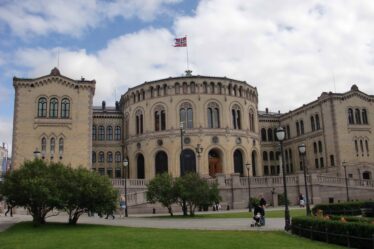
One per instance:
[(258, 220)]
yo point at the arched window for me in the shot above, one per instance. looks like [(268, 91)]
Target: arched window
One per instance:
[(270, 134), (53, 108), (139, 122), (251, 121), (358, 116), (312, 124), (93, 157), (101, 135), (118, 157), (263, 134), (356, 147), (161, 162), (264, 156), (315, 147), (44, 146), (236, 117), (109, 133), (318, 125), (205, 87), (117, 133), (350, 116), (65, 108), (61, 147), (160, 118), (297, 128), (52, 146), (185, 88), (271, 156), (140, 166), (367, 147), (101, 157), (42, 107), (193, 87), (275, 133), (186, 115), (177, 90), (94, 132), (301, 127), (109, 157), (319, 146), (362, 147), (364, 116), (238, 162), (213, 115), (288, 131)]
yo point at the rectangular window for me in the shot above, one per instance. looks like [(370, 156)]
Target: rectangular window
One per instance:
[(322, 164), (316, 163)]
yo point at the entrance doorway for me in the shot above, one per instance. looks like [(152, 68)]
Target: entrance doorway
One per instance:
[(215, 162), (189, 162)]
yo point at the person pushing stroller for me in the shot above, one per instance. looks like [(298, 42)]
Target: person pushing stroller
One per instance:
[(258, 216)]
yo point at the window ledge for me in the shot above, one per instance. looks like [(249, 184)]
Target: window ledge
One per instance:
[(53, 122), (364, 127)]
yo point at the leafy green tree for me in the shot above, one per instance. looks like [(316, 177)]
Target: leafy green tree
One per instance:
[(161, 189), (35, 187), (87, 191), (194, 191)]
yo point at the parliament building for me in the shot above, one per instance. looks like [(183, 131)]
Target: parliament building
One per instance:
[(204, 124)]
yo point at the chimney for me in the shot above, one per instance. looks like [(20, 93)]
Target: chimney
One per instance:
[(267, 110), (103, 105)]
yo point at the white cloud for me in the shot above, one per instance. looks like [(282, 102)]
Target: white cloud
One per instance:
[(290, 50), (71, 17)]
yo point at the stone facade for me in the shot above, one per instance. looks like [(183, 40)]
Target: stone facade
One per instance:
[(53, 115), (223, 131)]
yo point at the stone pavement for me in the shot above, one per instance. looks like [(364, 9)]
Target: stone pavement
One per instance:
[(272, 224)]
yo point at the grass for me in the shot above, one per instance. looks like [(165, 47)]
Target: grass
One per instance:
[(56, 236), (268, 214)]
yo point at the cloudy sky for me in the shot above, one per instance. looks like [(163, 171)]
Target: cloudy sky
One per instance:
[(290, 50)]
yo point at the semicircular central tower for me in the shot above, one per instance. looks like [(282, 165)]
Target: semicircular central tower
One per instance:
[(186, 124)]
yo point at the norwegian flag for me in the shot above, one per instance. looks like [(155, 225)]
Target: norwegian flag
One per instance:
[(180, 42)]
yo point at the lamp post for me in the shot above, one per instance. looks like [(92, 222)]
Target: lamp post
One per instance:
[(344, 163), (181, 155), (199, 150), (37, 153), (302, 150), (281, 135), (248, 166), (125, 165)]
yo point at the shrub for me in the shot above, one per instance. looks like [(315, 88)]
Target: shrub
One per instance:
[(342, 233), (345, 208)]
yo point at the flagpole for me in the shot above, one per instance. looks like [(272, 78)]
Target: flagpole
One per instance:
[(188, 66)]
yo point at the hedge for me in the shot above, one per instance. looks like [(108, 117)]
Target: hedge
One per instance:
[(351, 234), (345, 208)]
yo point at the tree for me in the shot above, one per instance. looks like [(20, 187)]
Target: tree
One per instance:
[(87, 191), (194, 191), (35, 187), (161, 189)]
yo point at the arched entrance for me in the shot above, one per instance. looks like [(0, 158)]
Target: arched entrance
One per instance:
[(254, 163), (215, 162), (238, 162), (140, 166), (366, 175), (189, 162), (161, 162)]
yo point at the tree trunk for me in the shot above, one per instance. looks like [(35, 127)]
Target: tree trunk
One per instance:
[(184, 208), (170, 211)]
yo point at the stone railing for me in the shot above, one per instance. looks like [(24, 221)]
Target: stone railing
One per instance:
[(130, 182)]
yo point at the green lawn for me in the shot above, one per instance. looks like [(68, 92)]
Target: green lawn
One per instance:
[(25, 236), (268, 214)]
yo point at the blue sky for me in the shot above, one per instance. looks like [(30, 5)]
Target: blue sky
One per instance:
[(290, 50)]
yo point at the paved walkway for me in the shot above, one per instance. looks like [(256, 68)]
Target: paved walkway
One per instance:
[(166, 223)]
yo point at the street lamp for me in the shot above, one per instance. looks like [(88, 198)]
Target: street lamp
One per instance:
[(344, 163), (37, 153), (281, 135), (248, 166), (125, 165), (181, 155), (302, 150)]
